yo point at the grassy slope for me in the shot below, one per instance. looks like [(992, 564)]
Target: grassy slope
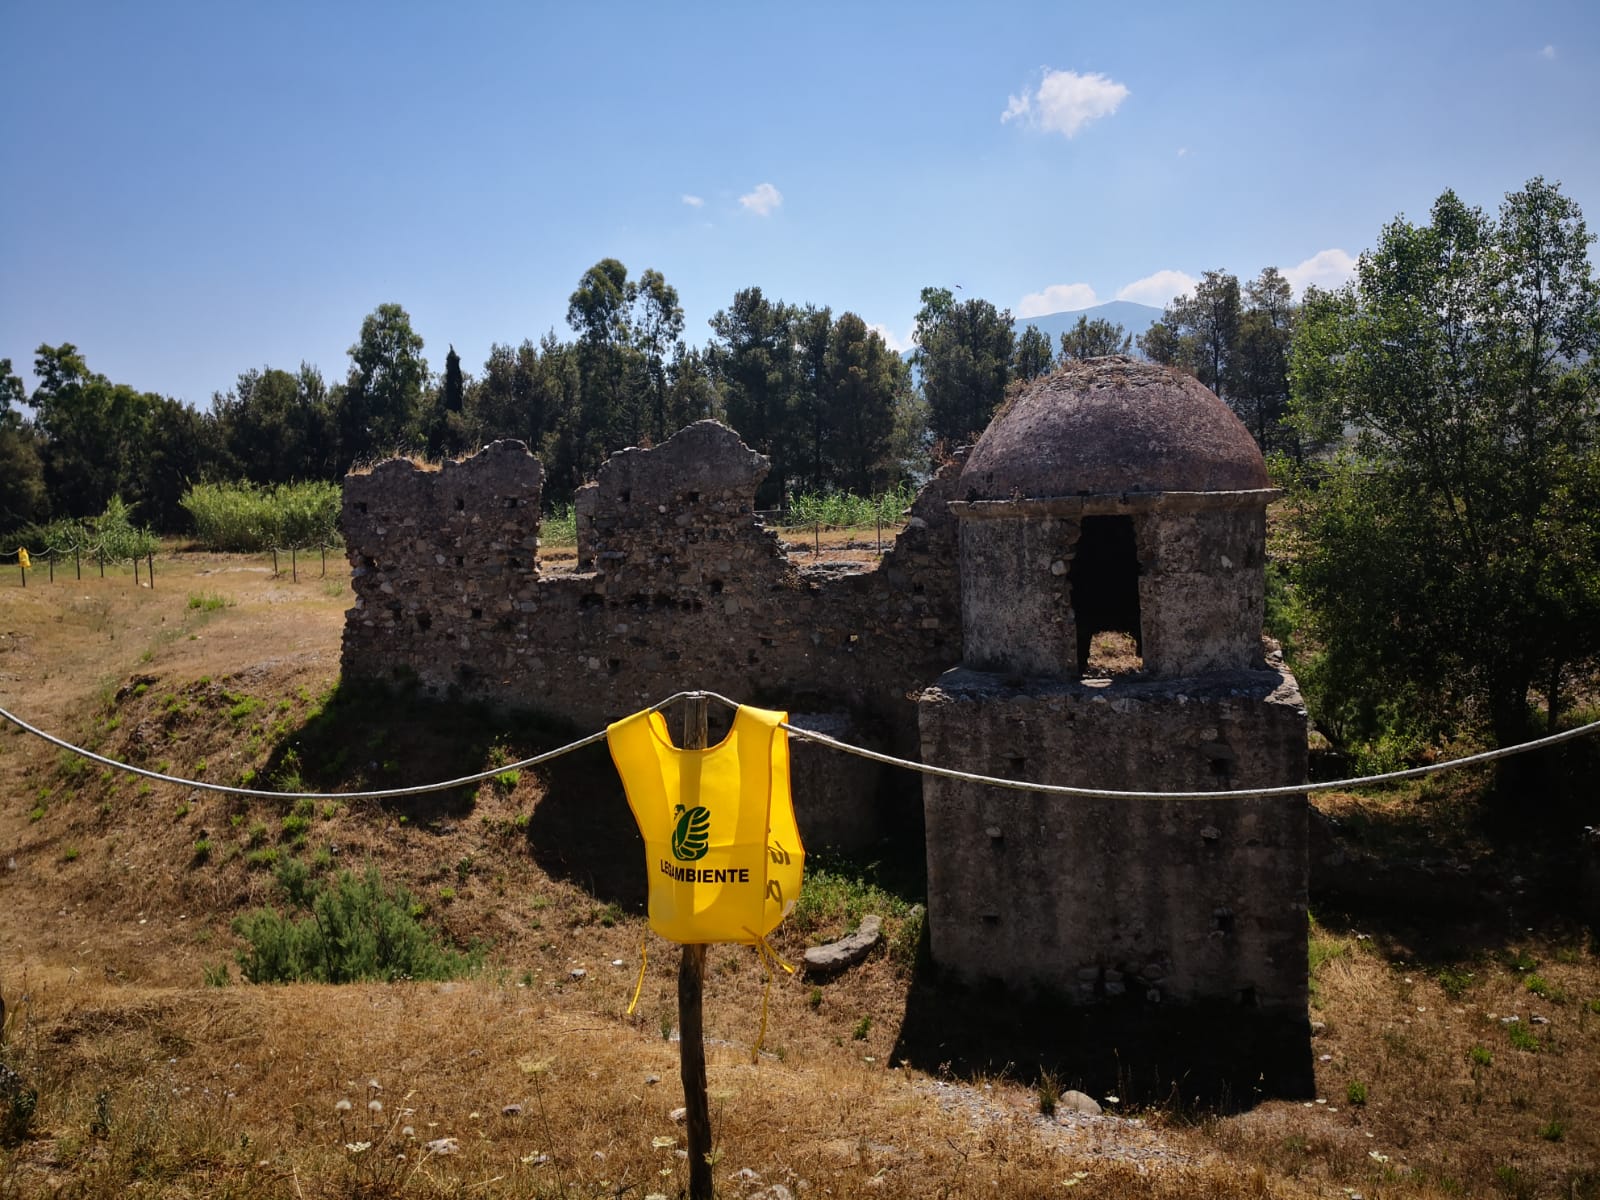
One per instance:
[(112, 918)]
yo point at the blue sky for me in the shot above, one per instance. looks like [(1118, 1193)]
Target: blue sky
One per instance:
[(194, 190)]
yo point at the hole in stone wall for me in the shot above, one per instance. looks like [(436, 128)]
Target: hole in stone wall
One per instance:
[(624, 496), (424, 622), (716, 587), (511, 501), (369, 563), (614, 666), (461, 504), (477, 614), (1105, 594), (461, 560), (693, 497), (361, 506)]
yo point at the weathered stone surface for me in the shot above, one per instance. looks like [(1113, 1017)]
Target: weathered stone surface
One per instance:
[(848, 950), (1078, 1102), (1103, 898), (684, 588), (1112, 425)]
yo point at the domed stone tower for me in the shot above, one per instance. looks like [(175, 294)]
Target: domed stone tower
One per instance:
[(1117, 496)]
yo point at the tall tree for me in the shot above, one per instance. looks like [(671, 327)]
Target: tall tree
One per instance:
[(92, 431), (447, 431), (380, 406), (1451, 558), (865, 382), (1260, 390), (752, 360), (277, 427), (656, 320), (1093, 339), (964, 352), (1033, 356), (22, 492), (1200, 332)]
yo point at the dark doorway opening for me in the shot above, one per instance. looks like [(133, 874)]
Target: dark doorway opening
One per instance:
[(1105, 591)]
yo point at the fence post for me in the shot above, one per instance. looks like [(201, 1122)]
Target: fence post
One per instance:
[(51, 560), (691, 1025), (324, 562), (294, 564), (150, 562), (274, 562)]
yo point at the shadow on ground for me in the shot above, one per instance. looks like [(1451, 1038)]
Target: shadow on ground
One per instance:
[(1210, 1056)]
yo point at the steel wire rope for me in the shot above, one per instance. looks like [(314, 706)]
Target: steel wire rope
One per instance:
[(1016, 785)]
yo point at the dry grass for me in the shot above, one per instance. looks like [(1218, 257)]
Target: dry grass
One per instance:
[(151, 1083)]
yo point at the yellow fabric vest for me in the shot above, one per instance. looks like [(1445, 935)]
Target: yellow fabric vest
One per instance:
[(722, 850), (22, 558)]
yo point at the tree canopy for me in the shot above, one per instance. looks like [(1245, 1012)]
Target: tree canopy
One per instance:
[(1450, 558)]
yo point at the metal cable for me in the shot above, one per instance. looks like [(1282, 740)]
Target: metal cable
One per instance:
[(1016, 785)]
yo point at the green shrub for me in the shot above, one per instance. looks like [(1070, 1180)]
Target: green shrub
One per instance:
[(246, 518), (848, 510), (1356, 1093), (356, 929)]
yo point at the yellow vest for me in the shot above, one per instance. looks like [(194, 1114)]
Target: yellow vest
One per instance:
[(22, 558), (721, 847)]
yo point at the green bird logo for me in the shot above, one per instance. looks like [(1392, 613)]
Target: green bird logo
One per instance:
[(691, 836)]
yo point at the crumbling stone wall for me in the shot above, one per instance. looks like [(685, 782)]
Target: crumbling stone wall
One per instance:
[(679, 586)]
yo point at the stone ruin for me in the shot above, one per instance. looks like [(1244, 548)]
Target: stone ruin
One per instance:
[(1113, 496), (677, 585)]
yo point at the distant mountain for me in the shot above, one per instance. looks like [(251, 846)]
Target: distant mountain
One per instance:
[(1135, 318)]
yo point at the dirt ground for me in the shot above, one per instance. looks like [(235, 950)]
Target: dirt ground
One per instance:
[(117, 928)]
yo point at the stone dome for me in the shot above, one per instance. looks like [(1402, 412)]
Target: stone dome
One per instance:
[(1111, 426)]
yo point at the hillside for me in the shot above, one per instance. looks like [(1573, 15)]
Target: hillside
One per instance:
[(156, 1067), (1135, 318)]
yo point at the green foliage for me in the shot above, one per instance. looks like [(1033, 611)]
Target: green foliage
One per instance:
[(1450, 578), (1048, 1089), (356, 929), (964, 352), (834, 894), (247, 518), (1093, 339), (863, 1027), (209, 602), (1356, 1093), (1553, 1130), (559, 527), (1522, 1038), (216, 975), (846, 510), (1480, 1056), (18, 1104)]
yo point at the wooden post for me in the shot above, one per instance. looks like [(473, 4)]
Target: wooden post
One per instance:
[(691, 1027), (324, 562), (24, 571), (52, 561), (77, 561), (294, 563), (816, 546), (274, 562), (150, 564), (880, 532)]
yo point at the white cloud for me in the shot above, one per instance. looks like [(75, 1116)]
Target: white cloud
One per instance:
[(763, 200), (898, 344), (693, 201), (1159, 289), (1548, 52), (1065, 102), (1183, 152), (1058, 297), (1325, 268)]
